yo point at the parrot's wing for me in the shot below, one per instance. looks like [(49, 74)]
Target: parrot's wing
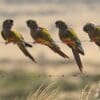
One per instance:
[(17, 35), (97, 35), (51, 43), (22, 47), (97, 32), (79, 47), (73, 34), (98, 26), (45, 34), (20, 37)]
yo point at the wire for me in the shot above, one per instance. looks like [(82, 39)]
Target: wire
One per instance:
[(2, 42)]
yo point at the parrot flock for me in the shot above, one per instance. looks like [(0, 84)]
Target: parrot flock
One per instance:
[(42, 36)]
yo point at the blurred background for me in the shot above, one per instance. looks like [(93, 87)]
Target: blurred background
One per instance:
[(18, 73)]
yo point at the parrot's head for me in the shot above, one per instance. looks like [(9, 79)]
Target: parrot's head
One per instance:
[(89, 27), (7, 24), (61, 24), (32, 24)]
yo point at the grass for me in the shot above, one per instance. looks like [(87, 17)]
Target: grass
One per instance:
[(26, 86), (20, 85), (45, 93), (91, 92)]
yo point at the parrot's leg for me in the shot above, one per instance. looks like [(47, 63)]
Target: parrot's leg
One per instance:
[(34, 42)]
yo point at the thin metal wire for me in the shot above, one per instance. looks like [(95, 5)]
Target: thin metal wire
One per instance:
[(82, 75), (2, 42)]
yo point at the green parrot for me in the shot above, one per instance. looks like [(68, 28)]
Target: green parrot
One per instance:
[(69, 37), (93, 32), (11, 36), (42, 36)]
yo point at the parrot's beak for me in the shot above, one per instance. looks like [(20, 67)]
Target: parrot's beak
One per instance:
[(56, 25)]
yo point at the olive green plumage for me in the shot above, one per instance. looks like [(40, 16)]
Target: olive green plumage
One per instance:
[(93, 32), (68, 36), (11, 36), (42, 36)]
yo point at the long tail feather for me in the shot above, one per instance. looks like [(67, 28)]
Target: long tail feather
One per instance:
[(78, 60), (27, 44), (81, 50), (56, 49), (24, 50)]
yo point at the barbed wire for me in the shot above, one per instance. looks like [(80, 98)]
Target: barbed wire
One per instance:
[(62, 76)]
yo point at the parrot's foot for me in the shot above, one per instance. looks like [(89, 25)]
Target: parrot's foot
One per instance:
[(7, 42), (34, 42)]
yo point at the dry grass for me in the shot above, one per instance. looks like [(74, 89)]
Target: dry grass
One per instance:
[(91, 92), (44, 92), (48, 92)]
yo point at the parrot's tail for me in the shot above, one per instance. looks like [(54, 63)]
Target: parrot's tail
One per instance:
[(98, 43), (56, 49), (24, 50), (81, 50), (27, 44), (78, 60)]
